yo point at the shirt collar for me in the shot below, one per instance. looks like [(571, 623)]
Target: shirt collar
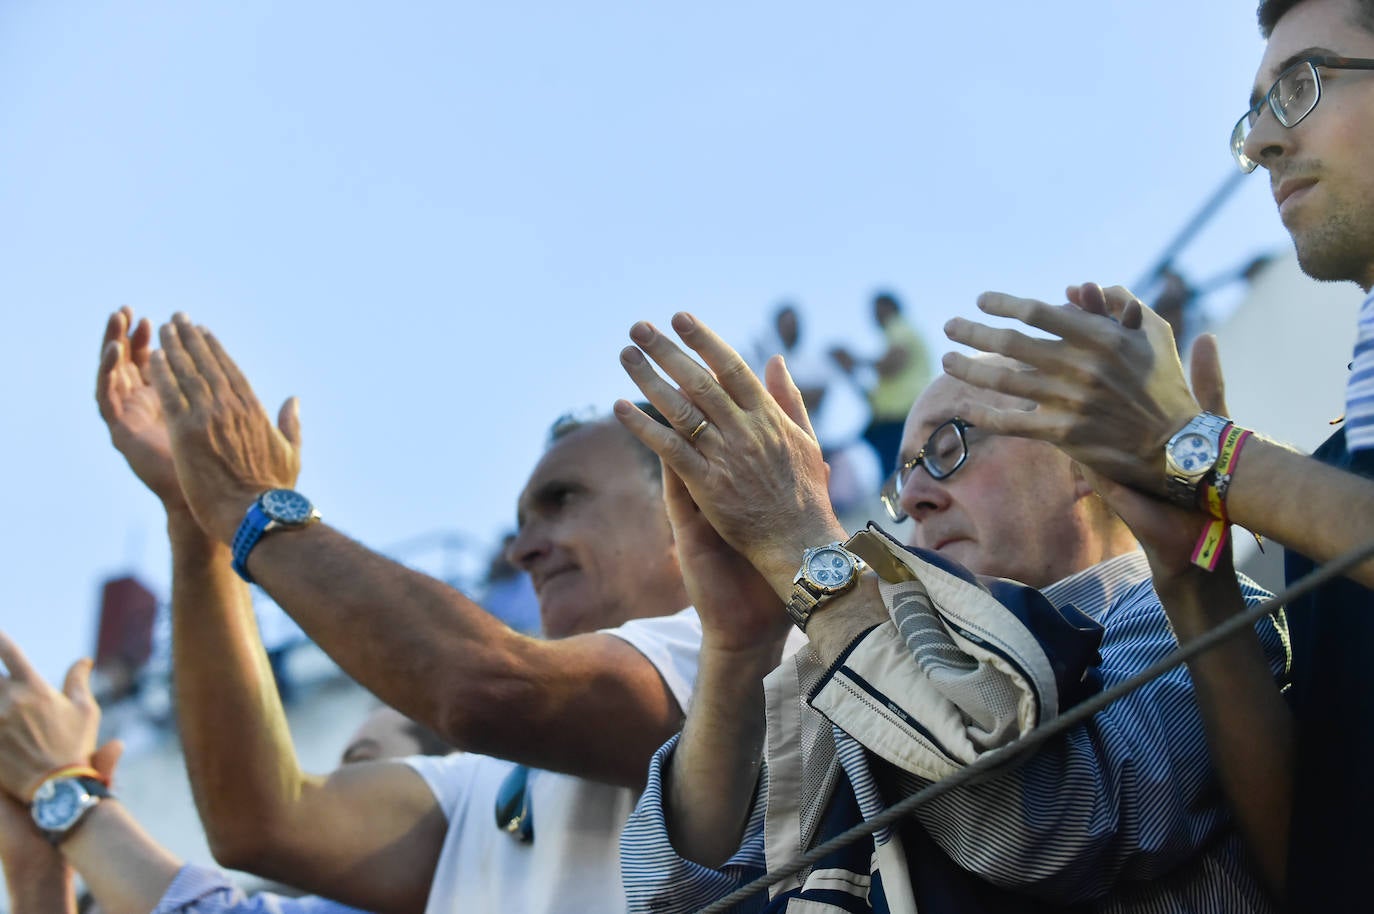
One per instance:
[(1095, 588)]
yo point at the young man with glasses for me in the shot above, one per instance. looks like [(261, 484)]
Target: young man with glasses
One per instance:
[(1110, 391), (1120, 814)]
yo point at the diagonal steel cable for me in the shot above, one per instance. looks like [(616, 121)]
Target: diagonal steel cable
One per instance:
[(990, 763)]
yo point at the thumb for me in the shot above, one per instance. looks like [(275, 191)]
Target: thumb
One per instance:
[(77, 685), (106, 757), (289, 421), (784, 390), (1209, 387)]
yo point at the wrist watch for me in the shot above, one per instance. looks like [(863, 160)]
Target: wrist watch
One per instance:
[(1190, 456), (275, 509), (826, 572), (61, 803)]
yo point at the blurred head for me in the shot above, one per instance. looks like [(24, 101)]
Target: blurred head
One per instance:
[(387, 733), (593, 533), (1015, 508), (885, 308), (1320, 170), (788, 324)]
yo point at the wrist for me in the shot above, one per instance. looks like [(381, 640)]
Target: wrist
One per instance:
[(779, 560)]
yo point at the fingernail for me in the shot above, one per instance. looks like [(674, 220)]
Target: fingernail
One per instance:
[(631, 356), (684, 322), (642, 332), (622, 407)]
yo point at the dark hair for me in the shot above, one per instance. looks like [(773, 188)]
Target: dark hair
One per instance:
[(887, 299), (568, 423), (1271, 11)]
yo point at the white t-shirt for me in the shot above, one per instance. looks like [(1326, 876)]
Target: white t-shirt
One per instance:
[(573, 863)]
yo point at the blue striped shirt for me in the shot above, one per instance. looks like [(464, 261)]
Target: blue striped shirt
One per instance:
[(1122, 813), (201, 890), (1359, 388)]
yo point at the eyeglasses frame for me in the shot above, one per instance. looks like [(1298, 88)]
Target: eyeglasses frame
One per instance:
[(891, 492), (1255, 110)]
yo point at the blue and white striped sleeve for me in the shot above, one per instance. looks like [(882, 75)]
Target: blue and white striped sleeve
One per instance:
[(1128, 796), (201, 890), (656, 879)]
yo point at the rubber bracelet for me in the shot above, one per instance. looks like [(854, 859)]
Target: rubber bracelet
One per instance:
[(69, 771)]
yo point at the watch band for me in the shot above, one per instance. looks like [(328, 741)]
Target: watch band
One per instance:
[(275, 509), (1181, 487), (251, 529), (807, 596)]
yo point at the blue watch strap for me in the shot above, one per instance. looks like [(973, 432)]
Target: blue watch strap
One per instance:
[(250, 530)]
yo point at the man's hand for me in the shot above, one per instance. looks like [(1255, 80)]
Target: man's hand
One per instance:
[(42, 729), (131, 408), (739, 610), (1109, 390), (1166, 532), (225, 448), (755, 472)]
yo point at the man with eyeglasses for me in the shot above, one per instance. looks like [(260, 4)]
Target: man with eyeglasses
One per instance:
[(901, 687), (1110, 391)]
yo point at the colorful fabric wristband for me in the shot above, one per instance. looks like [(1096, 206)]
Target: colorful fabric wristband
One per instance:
[(1207, 552), (68, 771)]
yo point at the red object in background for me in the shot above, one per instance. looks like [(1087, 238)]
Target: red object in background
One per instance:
[(125, 641)]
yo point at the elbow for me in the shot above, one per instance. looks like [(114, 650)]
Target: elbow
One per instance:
[(249, 847)]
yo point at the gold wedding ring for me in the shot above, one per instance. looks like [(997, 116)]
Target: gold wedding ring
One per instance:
[(701, 427)]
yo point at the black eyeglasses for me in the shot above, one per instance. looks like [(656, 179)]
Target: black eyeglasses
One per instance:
[(944, 452), (1292, 97)]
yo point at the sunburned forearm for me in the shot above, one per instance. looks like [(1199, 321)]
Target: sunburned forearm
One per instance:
[(1247, 721), (1317, 510), (239, 754), (415, 642), (713, 772), (589, 705)]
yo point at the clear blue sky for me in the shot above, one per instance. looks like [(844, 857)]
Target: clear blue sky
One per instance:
[(435, 222)]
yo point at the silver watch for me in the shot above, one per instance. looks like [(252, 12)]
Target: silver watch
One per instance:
[(61, 803), (1191, 455), (826, 572)]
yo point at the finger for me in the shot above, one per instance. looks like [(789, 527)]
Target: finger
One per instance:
[(1027, 384), (193, 341), (696, 383), (242, 389), (141, 344), (106, 758), (15, 661), (676, 452), (77, 685), (676, 498), (680, 412), (730, 369), (116, 327), (105, 379), (1014, 344), (1209, 385), (289, 421), (165, 384), (1089, 297), (1068, 323), (191, 385), (783, 389)]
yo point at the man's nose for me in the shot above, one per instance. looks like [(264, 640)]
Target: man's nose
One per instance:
[(923, 495)]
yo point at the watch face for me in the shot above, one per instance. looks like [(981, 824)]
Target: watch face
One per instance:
[(829, 567), (1193, 453), (57, 804), (286, 507)]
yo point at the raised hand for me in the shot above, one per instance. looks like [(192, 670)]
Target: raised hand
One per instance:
[(225, 447), (1108, 389), (1167, 532), (42, 729), (755, 472), (131, 408)]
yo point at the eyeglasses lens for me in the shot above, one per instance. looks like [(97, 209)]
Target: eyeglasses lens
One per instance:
[(1291, 99)]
